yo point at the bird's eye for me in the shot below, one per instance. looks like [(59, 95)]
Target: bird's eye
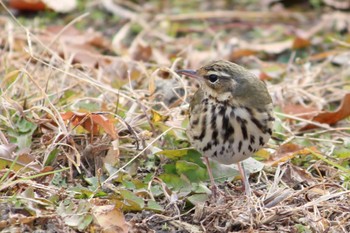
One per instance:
[(213, 78)]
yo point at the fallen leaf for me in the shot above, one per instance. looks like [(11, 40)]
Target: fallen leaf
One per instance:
[(264, 76), (74, 36), (92, 122), (270, 48), (110, 219), (6, 150), (141, 52), (27, 5), (222, 172), (19, 160), (119, 71), (300, 43), (173, 154), (83, 46), (272, 71), (239, 53), (158, 117), (273, 47), (295, 175), (324, 55), (283, 153), (305, 112), (76, 214), (331, 118)]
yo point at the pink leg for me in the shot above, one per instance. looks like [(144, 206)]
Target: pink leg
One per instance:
[(245, 181), (213, 185)]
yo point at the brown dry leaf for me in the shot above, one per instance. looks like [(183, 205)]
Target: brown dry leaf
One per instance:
[(119, 71), (324, 55), (110, 219), (300, 43), (112, 156), (84, 46), (21, 219), (74, 36), (62, 6), (300, 110), (264, 76), (239, 53), (27, 5), (24, 160), (92, 122), (331, 118), (106, 124), (295, 175), (284, 153), (270, 48), (141, 52)]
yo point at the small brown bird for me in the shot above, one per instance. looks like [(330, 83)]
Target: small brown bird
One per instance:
[(231, 115)]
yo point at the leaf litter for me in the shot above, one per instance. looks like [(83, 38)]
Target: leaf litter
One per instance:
[(92, 127)]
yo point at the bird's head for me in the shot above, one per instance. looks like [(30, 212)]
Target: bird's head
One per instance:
[(225, 80)]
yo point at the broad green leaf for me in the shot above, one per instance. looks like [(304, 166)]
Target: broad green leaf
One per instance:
[(173, 154), (25, 126), (76, 216), (192, 171), (195, 157), (128, 184), (223, 172), (342, 153), (153, 205), (132, 199), (170, 168), (174, 181), (199, 198), (156, 190)]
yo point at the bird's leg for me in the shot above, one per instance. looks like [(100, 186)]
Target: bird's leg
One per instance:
[(214, 188), (245, 181)]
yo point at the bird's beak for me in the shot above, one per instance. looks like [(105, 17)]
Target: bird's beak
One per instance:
[(189, 73)]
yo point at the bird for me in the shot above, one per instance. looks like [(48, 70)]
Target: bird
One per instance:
[(230, 115)]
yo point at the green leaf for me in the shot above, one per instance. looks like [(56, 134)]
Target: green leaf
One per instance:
[(191, 170), (342, 153), (199, 198), (132, 199), (195, 157), (24, 141), (51, 157), (153, 205), (128, 184), (156, 190), (25, 126), (174, 181), (76, 216), (173, 154), (170, 168), (223, 172)]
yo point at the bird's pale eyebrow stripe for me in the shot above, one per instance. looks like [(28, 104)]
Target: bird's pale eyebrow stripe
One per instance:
[(219, 73)]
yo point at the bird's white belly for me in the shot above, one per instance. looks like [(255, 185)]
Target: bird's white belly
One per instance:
[(231, 134)]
